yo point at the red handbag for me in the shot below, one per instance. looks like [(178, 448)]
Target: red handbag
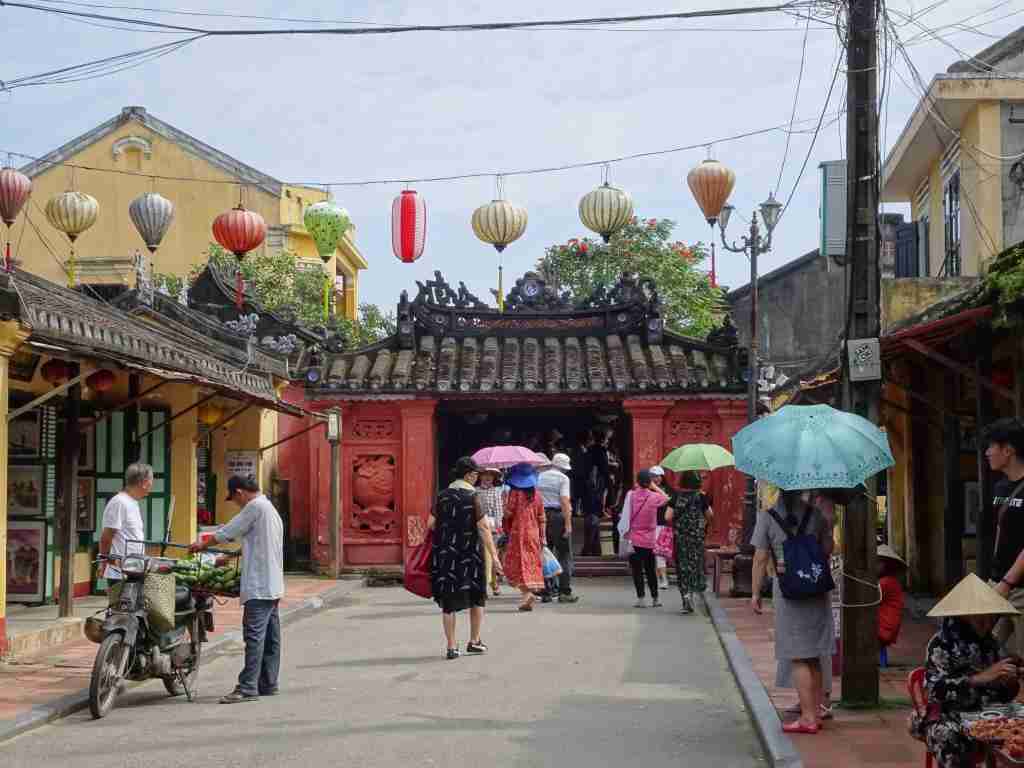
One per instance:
[(417, 567), (665, 544)]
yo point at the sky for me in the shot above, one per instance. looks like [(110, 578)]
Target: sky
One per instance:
[(324, 108)]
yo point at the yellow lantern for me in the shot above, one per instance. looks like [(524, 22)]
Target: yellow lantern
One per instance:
[(72, 213), (711, 184), (209, 414), (606, 210), (499, 223)]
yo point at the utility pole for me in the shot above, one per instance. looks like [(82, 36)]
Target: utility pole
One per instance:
[(859, 623), (334, 437)]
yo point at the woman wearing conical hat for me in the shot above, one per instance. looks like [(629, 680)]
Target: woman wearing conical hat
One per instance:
[(963, 670)]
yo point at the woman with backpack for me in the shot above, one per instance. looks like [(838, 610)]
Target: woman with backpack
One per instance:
[(689, 516), (794, 539)]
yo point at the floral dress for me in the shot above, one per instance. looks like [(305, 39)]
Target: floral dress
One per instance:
[(954, 654), (690, 525), (523, 522)]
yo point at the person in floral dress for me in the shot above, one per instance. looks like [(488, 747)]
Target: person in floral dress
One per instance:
[(524, 522), (689, 516), (963, 670)]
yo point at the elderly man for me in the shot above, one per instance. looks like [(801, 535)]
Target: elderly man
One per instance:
[(259, 527), (555, 492), (123, 530)]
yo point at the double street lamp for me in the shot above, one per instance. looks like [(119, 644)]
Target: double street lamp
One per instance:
[(711, 184)]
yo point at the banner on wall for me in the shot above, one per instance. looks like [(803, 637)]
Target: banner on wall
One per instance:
[(244, 463)]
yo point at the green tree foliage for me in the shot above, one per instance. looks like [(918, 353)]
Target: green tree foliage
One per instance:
[(691, 305), (280, 281)]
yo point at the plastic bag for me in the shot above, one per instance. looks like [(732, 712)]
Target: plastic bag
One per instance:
[(665, 544), (551, 565), (626, 548)]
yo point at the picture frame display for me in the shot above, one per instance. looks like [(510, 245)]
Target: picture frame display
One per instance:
[(972, 507), (85, 511), (26, 561), (25, 487), (25, 436), (86, 447)]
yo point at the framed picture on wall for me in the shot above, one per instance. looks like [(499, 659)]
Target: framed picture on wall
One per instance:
[(86, 447), (972, 508), (23, 364), (25, 435), (85, 513), (24, 491), (26, 561)]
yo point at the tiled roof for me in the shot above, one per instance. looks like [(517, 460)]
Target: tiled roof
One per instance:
[(449, 343), (87, 327), (532, 364)]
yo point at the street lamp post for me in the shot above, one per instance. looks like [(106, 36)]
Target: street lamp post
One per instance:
[(711, 184), (753, 245)]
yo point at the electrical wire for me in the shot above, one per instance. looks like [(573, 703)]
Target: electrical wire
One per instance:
[(454, 177), (796, 100)]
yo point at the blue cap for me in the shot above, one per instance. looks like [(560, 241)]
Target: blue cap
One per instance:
[(522, 476)]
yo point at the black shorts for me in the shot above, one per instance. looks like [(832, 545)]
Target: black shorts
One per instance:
[(461, 601)]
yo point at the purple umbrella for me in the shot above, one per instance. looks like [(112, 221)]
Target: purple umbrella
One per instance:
[(502, 456)]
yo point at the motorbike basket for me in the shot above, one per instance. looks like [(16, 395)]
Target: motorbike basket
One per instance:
[(93, 629)]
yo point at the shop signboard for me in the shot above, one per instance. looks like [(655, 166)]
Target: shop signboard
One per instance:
[(244, 463)]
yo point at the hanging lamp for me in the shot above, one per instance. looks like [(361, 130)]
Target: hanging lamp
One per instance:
[(408, 226), (239, 231), (15, 188), (152, 215), (606, 209), (72, 213), (499, 223), (327, 224)]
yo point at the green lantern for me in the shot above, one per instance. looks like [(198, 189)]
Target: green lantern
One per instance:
[(327, 223)]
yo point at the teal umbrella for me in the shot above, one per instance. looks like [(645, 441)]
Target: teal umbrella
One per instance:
[(697, 456), (812, 446)]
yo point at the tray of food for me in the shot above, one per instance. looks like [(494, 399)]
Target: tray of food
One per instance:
[(211, 573), (1005, 735)]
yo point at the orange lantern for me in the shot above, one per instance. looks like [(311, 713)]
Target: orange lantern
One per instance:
[(711, 184), (209, 414), (55, 372)]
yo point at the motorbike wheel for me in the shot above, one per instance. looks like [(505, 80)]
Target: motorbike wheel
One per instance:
[(105, 679), (172, 682)]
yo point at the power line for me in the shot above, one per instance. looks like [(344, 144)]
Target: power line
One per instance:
[(400, 29), (796, 99), (454, 177)]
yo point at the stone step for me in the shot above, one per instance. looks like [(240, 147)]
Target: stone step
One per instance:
[(29, 642)]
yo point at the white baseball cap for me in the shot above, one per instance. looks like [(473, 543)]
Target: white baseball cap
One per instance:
[(561, 461), (657, 470)]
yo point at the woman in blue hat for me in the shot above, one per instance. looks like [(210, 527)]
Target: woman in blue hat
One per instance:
[(524, 522)]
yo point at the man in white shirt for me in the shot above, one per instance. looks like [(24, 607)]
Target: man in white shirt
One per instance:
[(261, 530), (555, 492), (123, 529)]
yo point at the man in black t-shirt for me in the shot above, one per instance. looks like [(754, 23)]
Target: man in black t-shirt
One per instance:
[(1005, 454)]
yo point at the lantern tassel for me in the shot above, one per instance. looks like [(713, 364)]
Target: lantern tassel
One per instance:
[(327, 297), (71, 269), (7, 257), (501, 290), (239, 287), (714, 277)]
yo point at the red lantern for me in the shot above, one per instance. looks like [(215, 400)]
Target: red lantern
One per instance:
[(100, 381), (15, 188), (408, 226), (55, 372), (239, 231)]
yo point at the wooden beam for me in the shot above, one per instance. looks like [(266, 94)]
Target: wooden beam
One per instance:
[(178, 415), (957, 366), (953, 495), (229, 417), (982, 417), (43, 398), (319, 423)]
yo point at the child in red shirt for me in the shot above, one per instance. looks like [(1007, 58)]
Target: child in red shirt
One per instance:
[(890, 611)]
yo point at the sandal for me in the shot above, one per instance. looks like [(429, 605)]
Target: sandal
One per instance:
[(799, 726)]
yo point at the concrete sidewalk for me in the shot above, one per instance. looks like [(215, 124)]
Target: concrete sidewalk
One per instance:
[(38, 689), (855, 738)]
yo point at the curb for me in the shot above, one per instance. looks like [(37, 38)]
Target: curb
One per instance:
[(778, 746), (75, 702)]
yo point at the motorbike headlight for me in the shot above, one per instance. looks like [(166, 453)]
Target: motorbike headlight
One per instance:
[(134, 565)]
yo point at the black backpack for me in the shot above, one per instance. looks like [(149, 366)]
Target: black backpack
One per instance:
[(807, 571)]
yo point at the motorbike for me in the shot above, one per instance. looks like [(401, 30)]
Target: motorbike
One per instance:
[(131, 648)]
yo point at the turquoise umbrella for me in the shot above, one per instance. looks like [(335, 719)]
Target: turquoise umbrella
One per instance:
[(697, 456), (812, 446)]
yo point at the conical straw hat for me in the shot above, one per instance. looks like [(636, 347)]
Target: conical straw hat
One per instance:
[(884, 550), (972, 597)]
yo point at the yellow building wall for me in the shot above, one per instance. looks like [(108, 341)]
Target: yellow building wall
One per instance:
[(251, 430), (981, 208), (114, 235), (184, 466)]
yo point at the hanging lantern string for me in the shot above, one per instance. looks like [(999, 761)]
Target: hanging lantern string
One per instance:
[(783, 127), (606, 172), (499, 187)]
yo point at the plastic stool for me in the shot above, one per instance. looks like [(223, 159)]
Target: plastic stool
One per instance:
[(883, 658)]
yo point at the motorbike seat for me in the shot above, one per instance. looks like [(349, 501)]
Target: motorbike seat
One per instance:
[(182, 598)]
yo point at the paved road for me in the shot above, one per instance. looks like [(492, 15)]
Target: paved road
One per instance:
[(595, 684)]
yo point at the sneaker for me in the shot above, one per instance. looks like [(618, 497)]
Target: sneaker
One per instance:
[(569, 598), (476, 647), (270, 692), (655, 603), (641, 603), (453, 653), (237, 697), (545, 598), (687, 606), (663, 584)]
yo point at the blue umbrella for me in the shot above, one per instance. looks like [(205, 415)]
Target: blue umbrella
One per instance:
[(812, 446)]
